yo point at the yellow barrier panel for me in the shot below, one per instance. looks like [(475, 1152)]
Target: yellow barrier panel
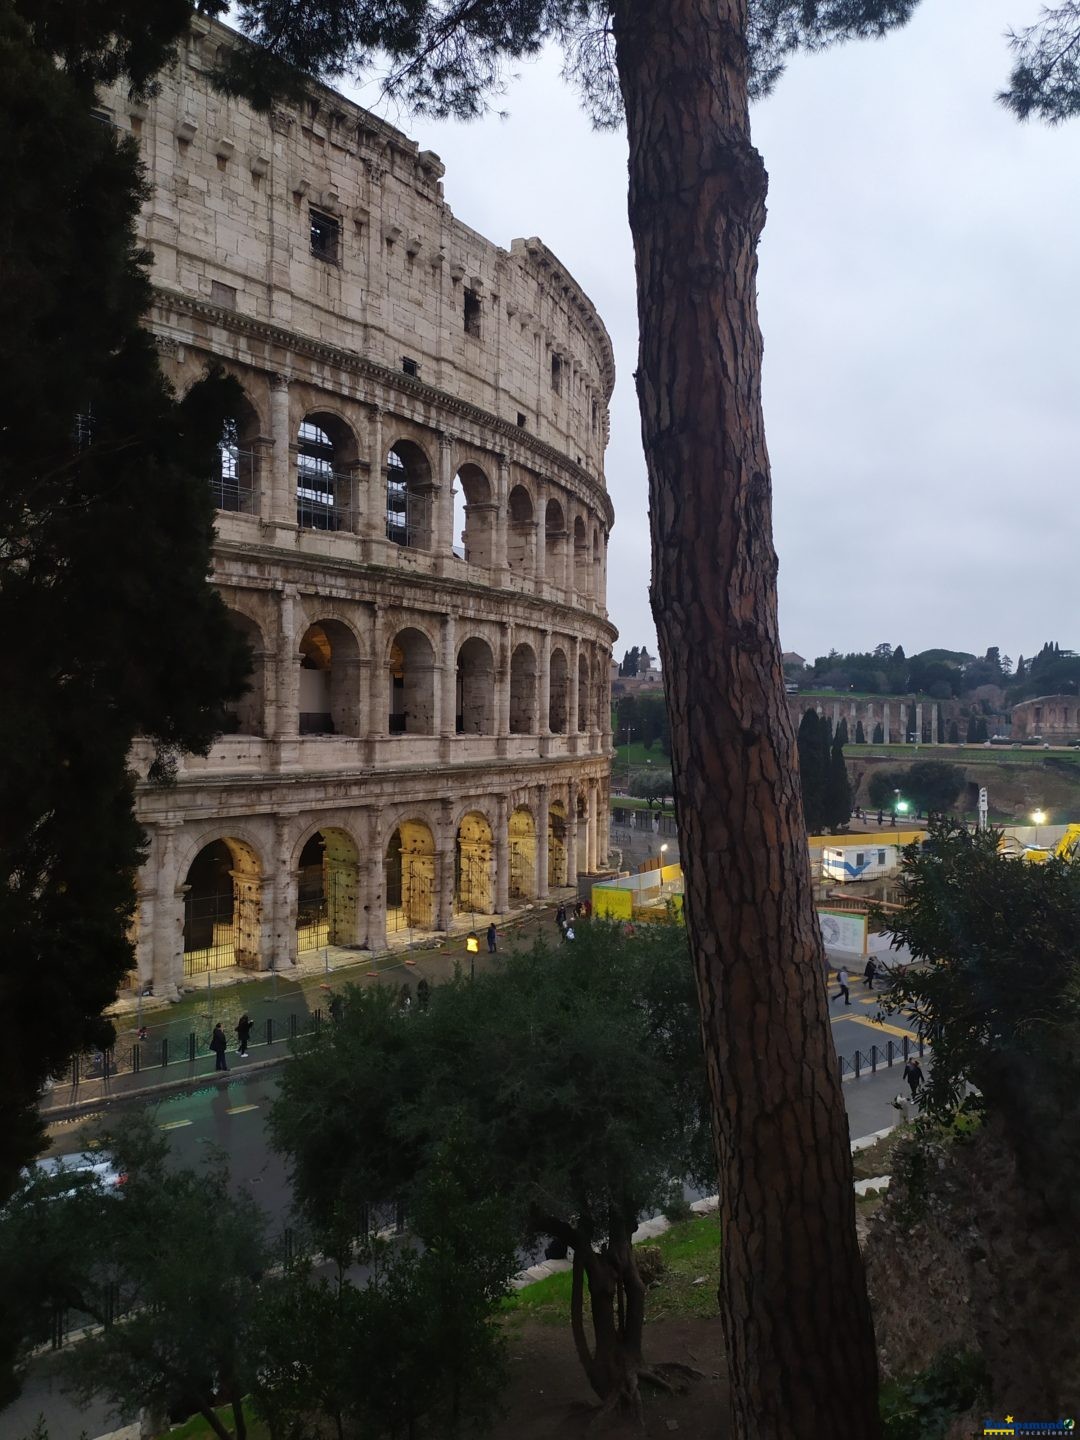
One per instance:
[(611, 903)]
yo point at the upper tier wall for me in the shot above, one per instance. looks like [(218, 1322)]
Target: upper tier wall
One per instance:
[(398, 279)]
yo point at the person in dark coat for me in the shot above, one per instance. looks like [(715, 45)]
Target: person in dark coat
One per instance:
[(244, 1028), (914, 1076), (218, 1044), (492, 938), (423, 993), (870, 973), (560, 917)]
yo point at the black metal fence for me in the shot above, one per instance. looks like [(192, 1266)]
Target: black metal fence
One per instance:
[(869, 1062)]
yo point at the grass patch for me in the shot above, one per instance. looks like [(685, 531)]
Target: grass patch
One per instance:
[(876, 1159), (197, 1429), (690, 1249)]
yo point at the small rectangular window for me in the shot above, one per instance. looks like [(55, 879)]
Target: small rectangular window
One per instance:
[(223, 295), (410, 366), (472, 313), (325, 236), (556, 374), (881, 857), (860, 858), (521, 419)]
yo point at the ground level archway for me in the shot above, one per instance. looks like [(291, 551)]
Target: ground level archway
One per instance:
[(522, 855), (326, 891), (558, 855), (474, 887), (222, 908), (410, 878)]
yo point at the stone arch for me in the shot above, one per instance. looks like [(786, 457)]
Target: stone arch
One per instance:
[(327, 865), (583, 692), (594, 574), (235, 482), (474, 516), (474, 860), (410, 489), (558, 692), (522, 854), (411, 662), (330, 699), (581, 556), (222, 890), (475, 705), (409, 862), (326, 458), (554, 539), (558, 855), (519, 529), (246, 715), (523, 690), (599, 694)]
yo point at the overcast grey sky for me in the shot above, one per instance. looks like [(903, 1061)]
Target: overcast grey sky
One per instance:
[(919, 294)]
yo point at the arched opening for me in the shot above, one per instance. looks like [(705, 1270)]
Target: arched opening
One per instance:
[(557, 852), (581, 557), (326, 891), (522, 855), (523, 691), (222, 908), (245, 716), (473, 516), (474, 888), (326, 457), (329, 680), (519, 530), (594, 578), (410, 878), (582, 694), (409, 489), (557, 693), (475, 709), (412, 684), (554, 540), (235, 482), (599, 700)]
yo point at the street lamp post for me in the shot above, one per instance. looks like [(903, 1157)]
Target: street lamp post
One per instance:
[(1039, 818), (901, 811)]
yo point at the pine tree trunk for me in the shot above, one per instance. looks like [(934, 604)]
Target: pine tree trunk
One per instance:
[(793, 1298)]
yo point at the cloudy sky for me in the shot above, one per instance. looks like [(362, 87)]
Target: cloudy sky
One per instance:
[(919, 296)]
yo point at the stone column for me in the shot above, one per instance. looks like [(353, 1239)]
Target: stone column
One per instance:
[(375, 509), (572, 710), (568, 557), (543, 812), (590, 844), (281, 899), (502, 682), (373, 885), (540, 557), (885, 731), (167, 941), (918, 724), (502, 854), (602, 597), (571, 833), (282, 483), (446, 724), (442, 542), (378, 725), (502, 517), (543, 688), (445, 870), (284, 722)]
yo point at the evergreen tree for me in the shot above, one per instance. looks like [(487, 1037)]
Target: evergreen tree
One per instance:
[(954, 733), (980, 730), (110, 626), (842, 731), (910, 731), (860, 733), (879, 734), (972, 729), (813, 769), (838, 787)]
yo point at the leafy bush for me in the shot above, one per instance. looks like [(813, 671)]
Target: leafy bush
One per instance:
[(925, 1405)]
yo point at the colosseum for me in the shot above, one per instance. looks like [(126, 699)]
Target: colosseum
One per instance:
[(412, 533)]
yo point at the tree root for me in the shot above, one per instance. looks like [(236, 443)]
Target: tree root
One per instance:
[(670, 1376)]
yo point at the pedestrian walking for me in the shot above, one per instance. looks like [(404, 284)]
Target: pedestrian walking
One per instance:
[(879, 817), (218, 1044), (423, 993), (492, 938), (244, 1028), (842, 981), (560, 916), (914, 1076), (870, 973)]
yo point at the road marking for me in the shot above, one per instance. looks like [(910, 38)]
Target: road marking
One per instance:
[(879, 1025), (174, 1125), (239, 1109)]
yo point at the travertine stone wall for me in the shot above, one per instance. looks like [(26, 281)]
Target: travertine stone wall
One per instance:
[(412, 534)]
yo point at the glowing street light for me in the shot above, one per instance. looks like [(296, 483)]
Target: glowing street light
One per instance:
[(1039, 818)]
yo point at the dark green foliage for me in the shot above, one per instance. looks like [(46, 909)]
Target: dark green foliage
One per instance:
[(879, 734), (954, 733), (110, 626), (860, 733), (629, 666), (813, 770), (930, 786), (1046, 76), (837, 784), (999, 994), (168, 1264), (569, 1083), (926, 1405)]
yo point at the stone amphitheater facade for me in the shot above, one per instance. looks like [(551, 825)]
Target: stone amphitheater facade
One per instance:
[(412, 533)]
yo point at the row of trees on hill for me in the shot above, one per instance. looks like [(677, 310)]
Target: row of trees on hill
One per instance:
[(942, 674)]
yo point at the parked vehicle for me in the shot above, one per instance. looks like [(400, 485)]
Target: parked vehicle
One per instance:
[(83, 1168)]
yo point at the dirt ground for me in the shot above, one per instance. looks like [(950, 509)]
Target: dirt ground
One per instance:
[(549, 1396)]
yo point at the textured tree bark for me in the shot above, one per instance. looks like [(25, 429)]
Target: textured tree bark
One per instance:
[(793, 1298)]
